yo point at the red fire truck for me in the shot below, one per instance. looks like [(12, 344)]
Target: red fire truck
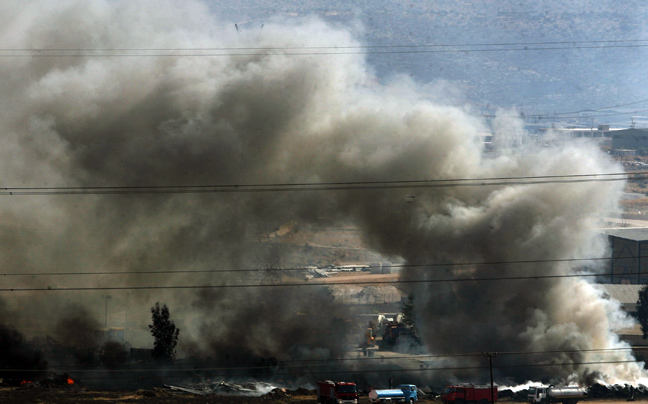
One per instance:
[(468, 393), (329, 392)]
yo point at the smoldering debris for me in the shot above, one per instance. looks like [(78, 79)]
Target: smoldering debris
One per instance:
[(46, 380), (618, 391), (19, 361)]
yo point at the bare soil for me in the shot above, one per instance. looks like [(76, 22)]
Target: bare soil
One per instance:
[(75, 394)]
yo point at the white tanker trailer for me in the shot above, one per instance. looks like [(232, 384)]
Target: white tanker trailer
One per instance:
[(552, 394)]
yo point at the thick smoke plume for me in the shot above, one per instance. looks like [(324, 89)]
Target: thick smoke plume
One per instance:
[(132, 117)]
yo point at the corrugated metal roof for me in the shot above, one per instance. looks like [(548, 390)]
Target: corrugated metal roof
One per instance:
[(629, 233), (352, 294), (626, 294)]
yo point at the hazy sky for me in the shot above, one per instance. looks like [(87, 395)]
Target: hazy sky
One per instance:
[(595, 54)]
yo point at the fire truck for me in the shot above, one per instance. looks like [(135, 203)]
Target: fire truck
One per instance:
[(329, 392), (468, 393)]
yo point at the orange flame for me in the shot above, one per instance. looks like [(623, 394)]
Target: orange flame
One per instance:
[(25, 382), (70, 380)]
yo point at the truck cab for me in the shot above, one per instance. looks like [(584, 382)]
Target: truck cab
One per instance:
[(537, 394), (410, 392), (329, 392)]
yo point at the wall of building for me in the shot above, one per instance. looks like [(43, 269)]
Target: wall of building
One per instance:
[(629, 263), (630, 139)]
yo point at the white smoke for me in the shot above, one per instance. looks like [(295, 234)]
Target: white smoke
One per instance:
[(133, 116)]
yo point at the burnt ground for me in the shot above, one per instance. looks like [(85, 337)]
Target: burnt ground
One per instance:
[(75, 394)]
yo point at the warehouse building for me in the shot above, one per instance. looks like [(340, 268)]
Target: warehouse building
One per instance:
[(629, 256), (633, 138)]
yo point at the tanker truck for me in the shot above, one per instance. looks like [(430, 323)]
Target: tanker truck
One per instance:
[(552, 394), (406, 393)]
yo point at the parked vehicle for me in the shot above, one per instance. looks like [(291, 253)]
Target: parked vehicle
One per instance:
[(329, 392), (552, 394), (406, 393), (469, 393)]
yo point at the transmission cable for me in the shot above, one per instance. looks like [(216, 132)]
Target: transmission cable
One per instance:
[(323, 186), (302, 269), (321, 50), (307, 283)]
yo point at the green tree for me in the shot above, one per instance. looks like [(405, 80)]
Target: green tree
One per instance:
[(408, 312), (165, 334), (642, 310)]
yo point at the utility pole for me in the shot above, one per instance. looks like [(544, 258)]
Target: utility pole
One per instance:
[(490, 356)]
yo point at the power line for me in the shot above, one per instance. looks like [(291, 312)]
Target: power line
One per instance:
[(540, 116), (306, 283), (585, 110), (305, 363), (287, 371), (321, 50), (327, 47), (291, 269), (322, 186)]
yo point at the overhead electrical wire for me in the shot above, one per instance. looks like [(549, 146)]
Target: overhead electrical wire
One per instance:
[(322, 186), (328, 47), (586, 110), (305, 283), (285, 367), (288, 371), (322, 50), (291, 269), (303, 363), (549, 116), (45, 52)]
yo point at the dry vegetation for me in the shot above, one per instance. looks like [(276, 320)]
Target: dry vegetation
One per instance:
[(637, 206)]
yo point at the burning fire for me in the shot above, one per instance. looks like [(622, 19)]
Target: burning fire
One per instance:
[(70, 380), (25, 382)]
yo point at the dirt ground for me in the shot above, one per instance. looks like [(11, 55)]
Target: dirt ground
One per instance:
[(37, 395), (69, 395)]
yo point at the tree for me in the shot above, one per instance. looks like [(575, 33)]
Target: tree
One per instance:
[(165, 334), (642, 310), (408, 312)]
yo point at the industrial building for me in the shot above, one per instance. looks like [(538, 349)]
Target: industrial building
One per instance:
[(601, 132), (629, 256), (632, 138)]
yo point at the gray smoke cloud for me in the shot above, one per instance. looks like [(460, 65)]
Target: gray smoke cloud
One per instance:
[(132, 118)]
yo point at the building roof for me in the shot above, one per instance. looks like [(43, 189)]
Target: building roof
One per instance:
[(630, 132), (352, 294), (629, 233), (626, 294)]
